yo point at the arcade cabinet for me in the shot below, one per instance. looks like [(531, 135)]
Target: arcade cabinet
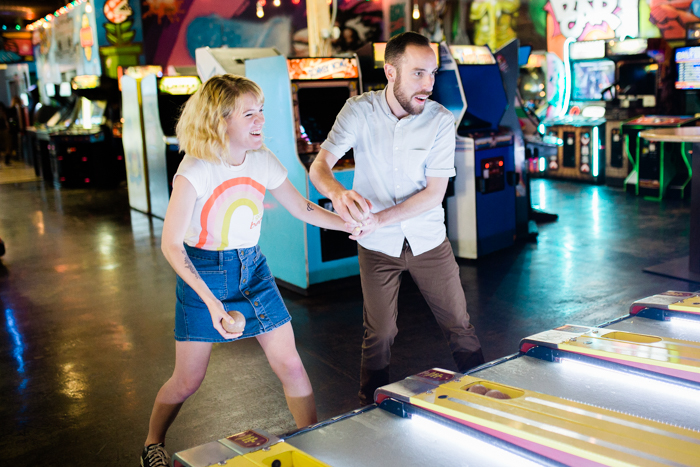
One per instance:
[(660, 169), (46, 120), (481, 213), (534, 84), (162, 100), (371, 59), (540, 89), (639, 74), (302, 98), (510, 57), (580, 156), (84, 153)]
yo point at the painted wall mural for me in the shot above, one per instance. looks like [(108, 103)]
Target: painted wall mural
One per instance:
[(173, 29), (119, 34), (589, 20), (672, 16), (495, 21)]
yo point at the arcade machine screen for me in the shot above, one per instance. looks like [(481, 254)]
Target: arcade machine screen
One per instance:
[(532, 83), (637, 78), (95, 109), (174, 93), (591, 78), (481, 84), (319, 103), (688, 63), (64, 90), (318, 108)]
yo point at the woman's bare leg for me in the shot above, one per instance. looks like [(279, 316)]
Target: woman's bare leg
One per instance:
[(284, 359), (191, 361)]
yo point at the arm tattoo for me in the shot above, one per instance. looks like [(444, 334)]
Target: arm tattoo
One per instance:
[(309, 207), (189, 265)]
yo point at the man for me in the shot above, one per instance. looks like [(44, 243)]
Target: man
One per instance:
[(404, 148)]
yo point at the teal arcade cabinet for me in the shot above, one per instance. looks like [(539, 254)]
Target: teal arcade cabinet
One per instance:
[(481, 209), (302, 98)]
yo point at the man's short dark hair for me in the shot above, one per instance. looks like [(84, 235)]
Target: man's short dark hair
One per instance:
[(396, 46)]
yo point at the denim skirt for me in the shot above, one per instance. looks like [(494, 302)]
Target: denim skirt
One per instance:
[(242, 281)]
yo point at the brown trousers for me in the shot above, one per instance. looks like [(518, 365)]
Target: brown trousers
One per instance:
[(436, 274)]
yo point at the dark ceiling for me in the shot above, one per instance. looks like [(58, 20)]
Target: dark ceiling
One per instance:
[(23, 12)]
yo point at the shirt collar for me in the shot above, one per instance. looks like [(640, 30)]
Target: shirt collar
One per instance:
[(384, 104)]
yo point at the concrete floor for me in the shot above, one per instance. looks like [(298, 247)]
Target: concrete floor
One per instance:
[(88, 301)]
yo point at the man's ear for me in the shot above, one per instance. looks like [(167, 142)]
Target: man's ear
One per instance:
[(390, 72)]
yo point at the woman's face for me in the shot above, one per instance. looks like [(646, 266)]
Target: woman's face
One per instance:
[(244, 127)]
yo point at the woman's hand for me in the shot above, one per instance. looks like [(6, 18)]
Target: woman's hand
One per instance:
[(369, 225), (217, 312)]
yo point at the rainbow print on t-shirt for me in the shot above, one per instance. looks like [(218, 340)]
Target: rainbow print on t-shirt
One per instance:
[(223, 202)]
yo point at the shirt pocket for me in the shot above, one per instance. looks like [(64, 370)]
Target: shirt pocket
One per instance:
[(415, 167)]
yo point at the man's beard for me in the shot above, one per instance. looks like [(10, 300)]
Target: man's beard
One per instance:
[(405, 101)]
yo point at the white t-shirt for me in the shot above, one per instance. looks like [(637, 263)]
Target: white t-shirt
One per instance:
[(229, 206)]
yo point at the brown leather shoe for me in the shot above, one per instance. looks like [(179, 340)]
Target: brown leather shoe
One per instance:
[(370, 380), (467, 360)]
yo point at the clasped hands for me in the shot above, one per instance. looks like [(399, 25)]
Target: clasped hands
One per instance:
[(355, 210)]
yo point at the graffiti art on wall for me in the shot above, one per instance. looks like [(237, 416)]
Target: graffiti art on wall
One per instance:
[(589, 20), (495, 21)]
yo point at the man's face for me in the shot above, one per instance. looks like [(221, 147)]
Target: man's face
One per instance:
[(415, 77)]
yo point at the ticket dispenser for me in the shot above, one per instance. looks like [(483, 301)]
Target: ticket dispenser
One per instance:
[(302, 99), (481, 213)]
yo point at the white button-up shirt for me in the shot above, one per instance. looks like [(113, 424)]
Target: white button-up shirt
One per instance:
[(392, 160)]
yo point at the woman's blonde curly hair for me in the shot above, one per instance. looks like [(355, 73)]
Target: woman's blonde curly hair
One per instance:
[(201, 129)]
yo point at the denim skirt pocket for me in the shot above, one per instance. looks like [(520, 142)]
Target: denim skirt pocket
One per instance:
[(215, 280)]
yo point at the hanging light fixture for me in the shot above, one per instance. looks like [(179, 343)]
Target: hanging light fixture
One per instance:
[(259, 10), (416, 11), (276, 2), (88, 8)]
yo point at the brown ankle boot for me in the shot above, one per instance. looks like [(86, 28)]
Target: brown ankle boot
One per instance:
[(467, 360), (370, 380)]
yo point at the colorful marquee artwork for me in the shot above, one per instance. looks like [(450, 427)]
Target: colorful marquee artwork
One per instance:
[(589, 20)]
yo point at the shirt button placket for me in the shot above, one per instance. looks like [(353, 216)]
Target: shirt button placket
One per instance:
[(397, 137)]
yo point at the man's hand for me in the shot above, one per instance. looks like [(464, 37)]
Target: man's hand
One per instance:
[(369, 225), (351, 206)]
